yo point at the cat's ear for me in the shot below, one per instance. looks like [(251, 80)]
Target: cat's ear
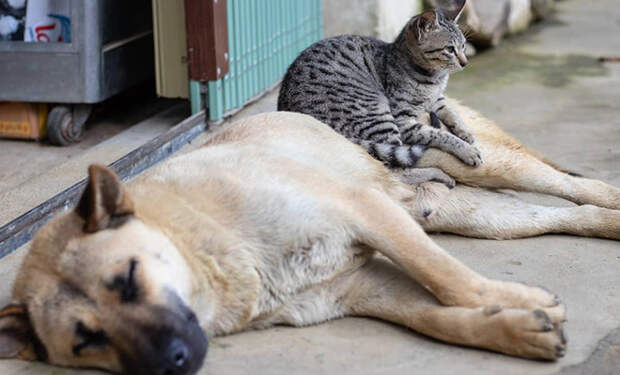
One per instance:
[(451, 9), (424, 23)]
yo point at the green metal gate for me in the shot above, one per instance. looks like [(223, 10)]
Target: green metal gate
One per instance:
[(264, 37)]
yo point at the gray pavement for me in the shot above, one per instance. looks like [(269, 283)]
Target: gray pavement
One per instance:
[(547, 89)]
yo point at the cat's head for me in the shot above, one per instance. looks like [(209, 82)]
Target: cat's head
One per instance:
[(434, 39)]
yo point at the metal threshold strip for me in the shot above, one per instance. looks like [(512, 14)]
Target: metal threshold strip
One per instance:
[(21, 230)]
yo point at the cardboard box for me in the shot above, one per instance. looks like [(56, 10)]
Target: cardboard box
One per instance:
[(23, 120)]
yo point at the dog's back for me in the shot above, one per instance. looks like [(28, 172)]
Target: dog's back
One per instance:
[(301, 139)]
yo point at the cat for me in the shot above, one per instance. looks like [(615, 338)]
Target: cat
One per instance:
[(374, 92)]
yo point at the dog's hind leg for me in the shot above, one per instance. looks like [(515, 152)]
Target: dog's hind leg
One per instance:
[(383, 225), (524, 172), (380, 290), (509, 165), (477, 212)]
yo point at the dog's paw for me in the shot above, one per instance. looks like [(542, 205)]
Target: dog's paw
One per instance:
[(444, 179), (530, 297), (522, 332), (437, 175), (513, 295), (419, 176)]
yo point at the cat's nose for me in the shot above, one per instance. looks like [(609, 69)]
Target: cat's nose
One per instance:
[(462, 60)]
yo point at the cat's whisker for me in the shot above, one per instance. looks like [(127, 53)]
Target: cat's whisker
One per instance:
[(468, 31)]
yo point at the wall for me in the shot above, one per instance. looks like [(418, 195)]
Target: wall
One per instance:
[(379, 18)]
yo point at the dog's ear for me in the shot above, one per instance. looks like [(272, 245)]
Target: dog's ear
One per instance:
[(104, 203), (17, 338), (423, 24)]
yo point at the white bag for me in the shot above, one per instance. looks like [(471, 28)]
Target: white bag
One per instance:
[(48, 21)]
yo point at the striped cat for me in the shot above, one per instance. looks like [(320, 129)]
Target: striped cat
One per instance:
[(374, 92)]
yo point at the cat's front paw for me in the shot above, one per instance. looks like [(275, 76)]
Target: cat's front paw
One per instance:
[(469, 155), (465, 135)]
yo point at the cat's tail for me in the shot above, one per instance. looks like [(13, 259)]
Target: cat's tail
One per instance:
[(393, 156)]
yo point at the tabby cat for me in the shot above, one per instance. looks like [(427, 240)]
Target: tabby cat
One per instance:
[(374, 92)]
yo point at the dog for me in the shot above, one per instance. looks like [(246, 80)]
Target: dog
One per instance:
[(280, 220)]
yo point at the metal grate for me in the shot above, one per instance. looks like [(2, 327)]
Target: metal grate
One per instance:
[(264, 38)]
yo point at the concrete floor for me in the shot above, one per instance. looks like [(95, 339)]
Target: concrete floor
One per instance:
[(547, 89), (22, 160), (33, 172)]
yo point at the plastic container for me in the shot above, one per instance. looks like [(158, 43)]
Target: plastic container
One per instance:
[(111, 49)]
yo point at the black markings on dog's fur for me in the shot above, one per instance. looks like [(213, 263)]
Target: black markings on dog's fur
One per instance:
[(88, 338), (125, 284)]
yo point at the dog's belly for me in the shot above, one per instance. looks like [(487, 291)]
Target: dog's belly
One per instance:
[(300, 289), (306, 243)]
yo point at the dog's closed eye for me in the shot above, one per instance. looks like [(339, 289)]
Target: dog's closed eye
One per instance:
[(126, 284), (88, 338)]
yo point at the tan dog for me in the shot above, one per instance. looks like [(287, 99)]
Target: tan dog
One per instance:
[(282, 221)]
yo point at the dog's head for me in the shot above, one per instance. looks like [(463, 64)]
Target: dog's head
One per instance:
[(101, 288)]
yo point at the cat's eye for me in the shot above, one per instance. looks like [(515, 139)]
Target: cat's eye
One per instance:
[(450, 49), (88, 338)]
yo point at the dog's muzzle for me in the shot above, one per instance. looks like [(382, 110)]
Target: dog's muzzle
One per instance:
[(172, 343)]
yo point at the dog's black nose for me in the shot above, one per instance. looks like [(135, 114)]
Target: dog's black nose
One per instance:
[(176, 358), (179, 355)]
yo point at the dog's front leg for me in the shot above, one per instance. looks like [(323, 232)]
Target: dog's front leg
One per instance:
[(380, 290), (388, 228)]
